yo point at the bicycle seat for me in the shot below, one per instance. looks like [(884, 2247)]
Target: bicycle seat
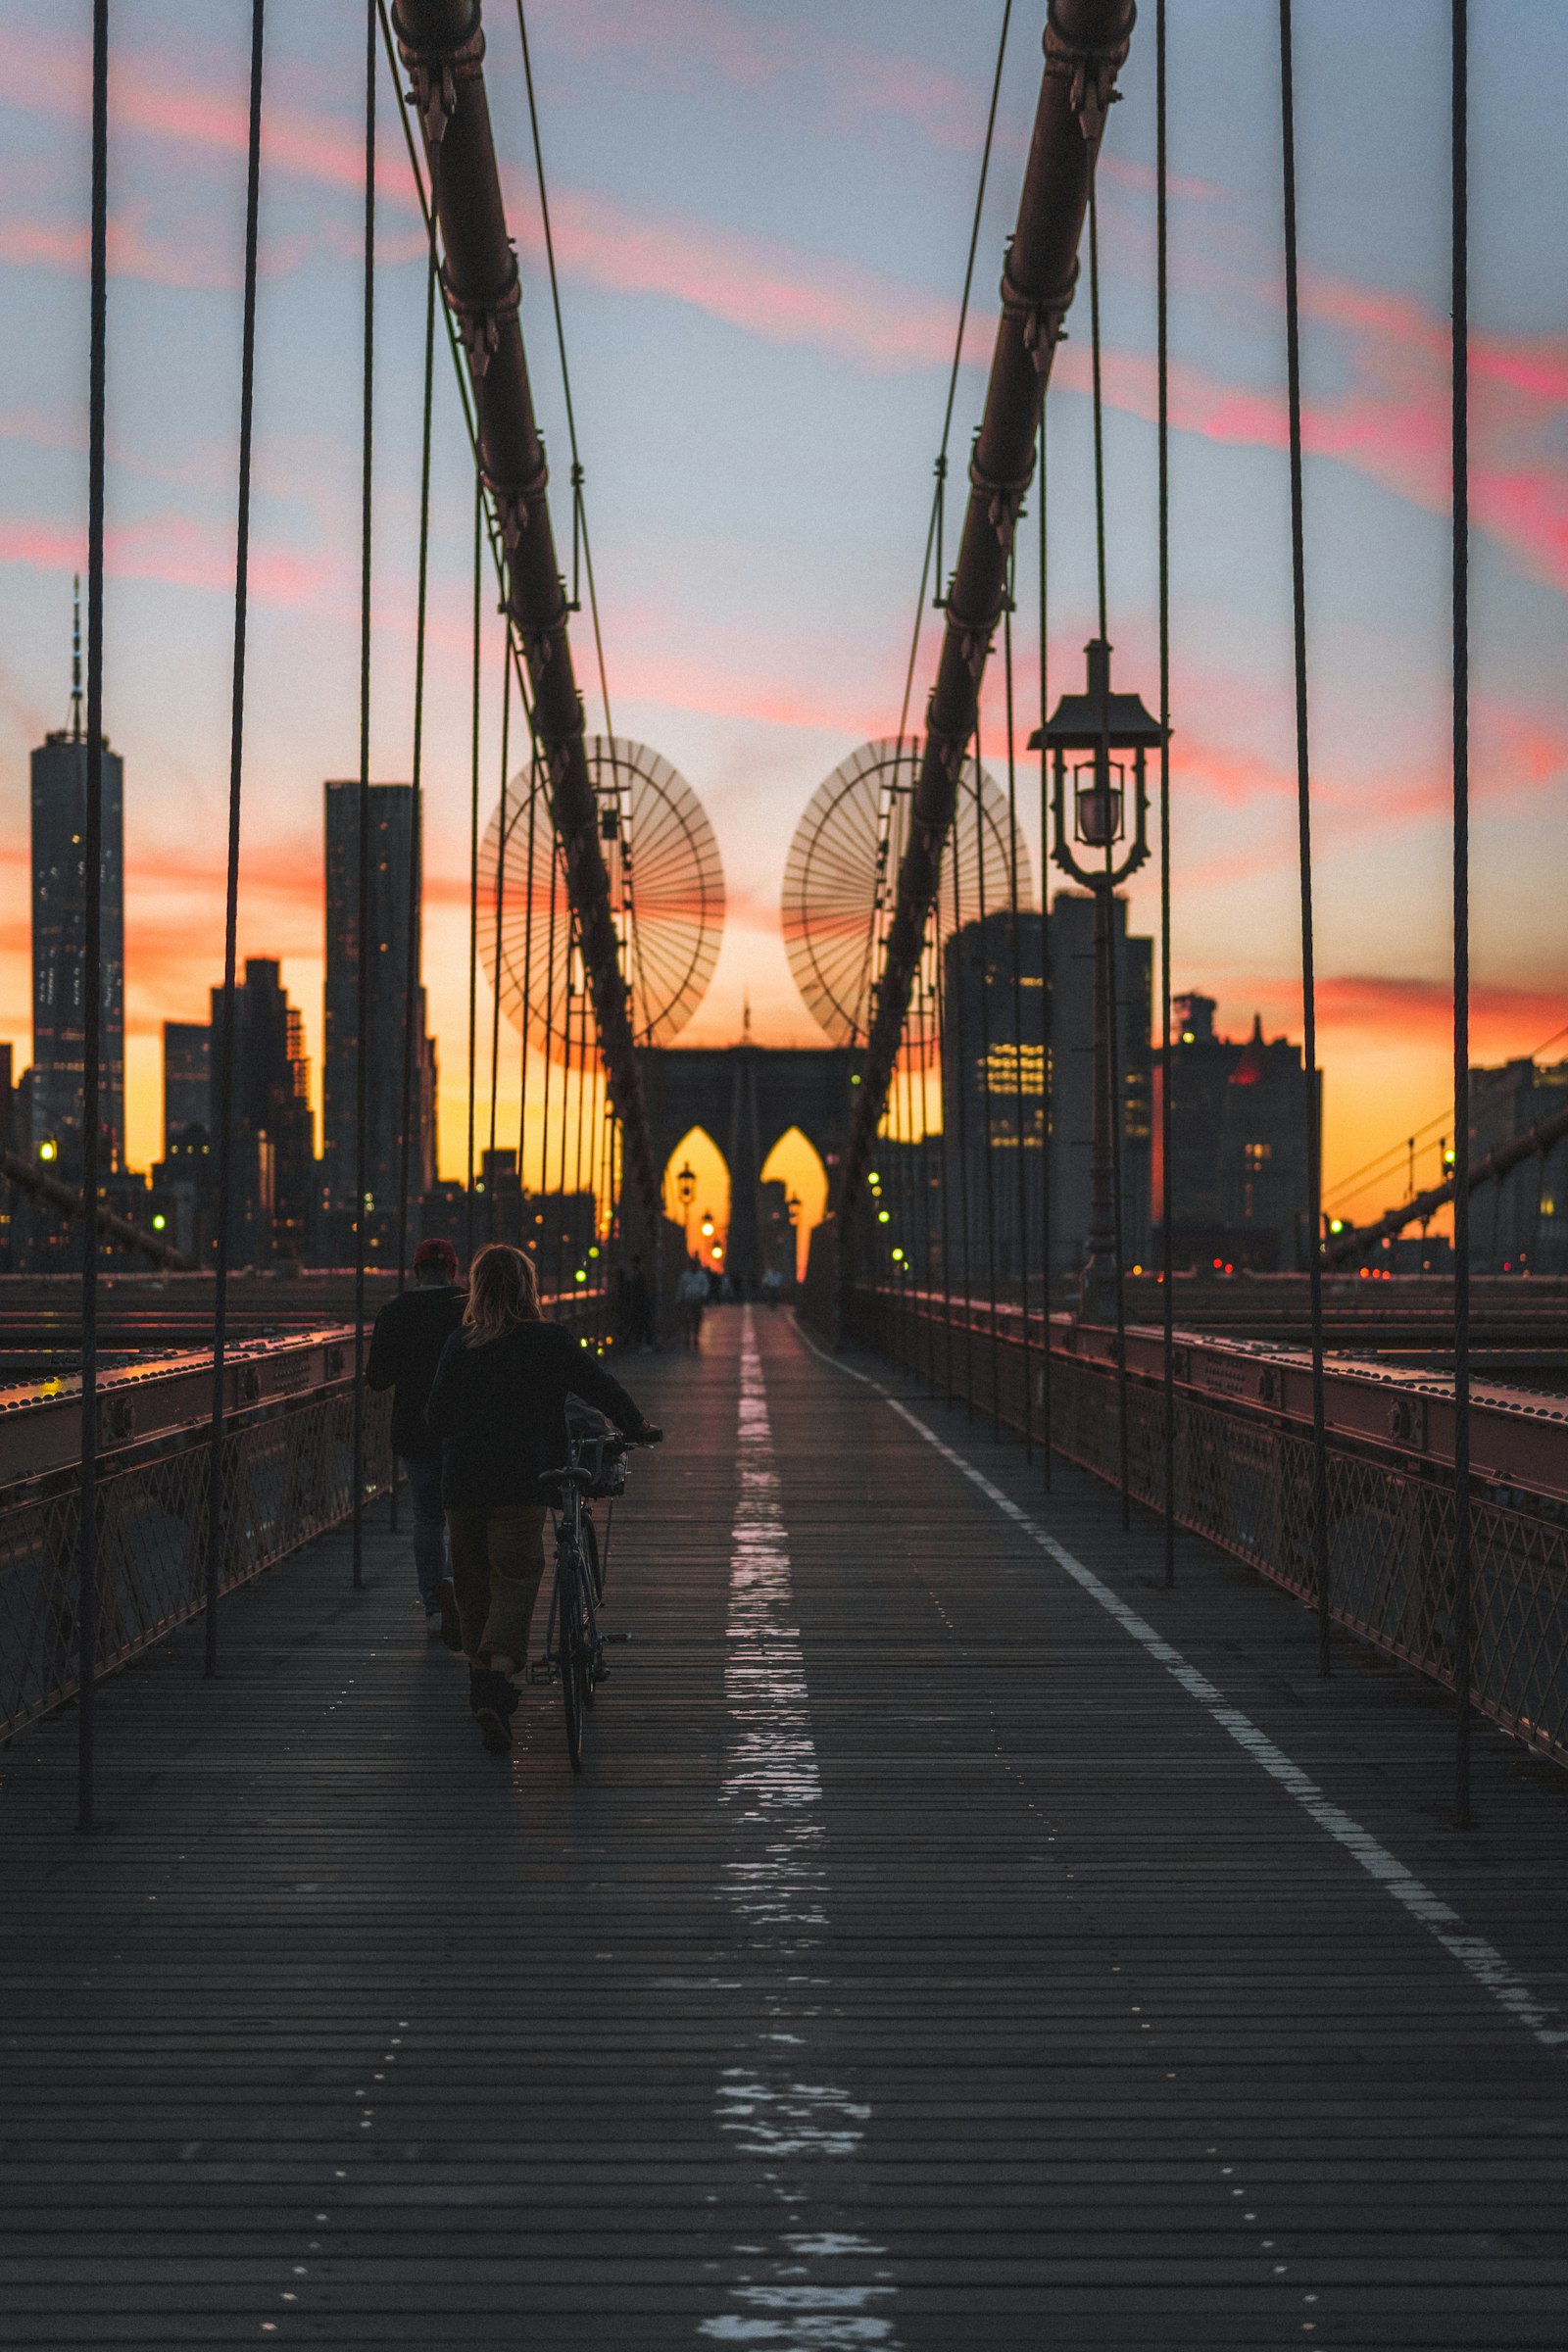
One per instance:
[(553, 1483)]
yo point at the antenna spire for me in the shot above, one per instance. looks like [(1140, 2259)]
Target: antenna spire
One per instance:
[(76, 659)]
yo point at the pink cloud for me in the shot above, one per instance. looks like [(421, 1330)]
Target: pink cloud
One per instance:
[(171, 549)]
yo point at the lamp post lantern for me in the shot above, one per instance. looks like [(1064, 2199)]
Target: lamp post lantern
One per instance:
[(686, 1186), (1092, 843)]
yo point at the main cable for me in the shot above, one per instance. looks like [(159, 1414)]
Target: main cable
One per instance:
[(236, 757), (1303, 799)]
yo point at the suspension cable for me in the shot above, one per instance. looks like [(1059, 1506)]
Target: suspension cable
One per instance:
[(473, 837), (579, 502), (1314, 1216), (410, 973), (500, 898), (363, 905), (1460, 364), (236, 751), (984, 960), (1113, 1055), (933, 537), (1047, 983), (1015, 921), (93, 943), (1162, 431)]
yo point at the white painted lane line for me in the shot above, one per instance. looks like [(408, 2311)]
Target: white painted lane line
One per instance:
[(1480, 1959), (776, 2109)]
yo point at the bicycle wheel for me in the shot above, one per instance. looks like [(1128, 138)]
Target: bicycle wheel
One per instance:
[(574, 1645), (590, 1545)]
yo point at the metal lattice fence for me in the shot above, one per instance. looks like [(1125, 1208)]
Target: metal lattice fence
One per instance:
[(1245, 1482), (287, 1476)]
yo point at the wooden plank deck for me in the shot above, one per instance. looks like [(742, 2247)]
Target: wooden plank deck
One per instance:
[(922, 1961)]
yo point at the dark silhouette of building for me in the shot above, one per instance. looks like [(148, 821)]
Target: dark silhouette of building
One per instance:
[(394, 844), (274, 1182), (993, 1095), (187, 1079), (1239, 1146), (1521, 1224), (498, 1204), (1071, 1015), (60, 942)]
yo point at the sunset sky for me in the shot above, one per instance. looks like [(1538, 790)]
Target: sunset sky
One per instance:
[(762, 215)]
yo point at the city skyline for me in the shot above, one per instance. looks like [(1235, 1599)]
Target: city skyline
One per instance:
[(813, 291)]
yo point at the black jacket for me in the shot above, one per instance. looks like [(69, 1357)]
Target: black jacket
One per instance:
[(406, 1346), (499, 1411)]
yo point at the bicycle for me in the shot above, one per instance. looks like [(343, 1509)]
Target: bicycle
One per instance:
[(574, 1647)]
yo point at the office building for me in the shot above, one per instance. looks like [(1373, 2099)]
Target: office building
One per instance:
[(394, 849), (1009, 1025), (272, 1191), (1239, 1146), (1519, 1225), (994, 1094), (60, 944), (187, 1080)]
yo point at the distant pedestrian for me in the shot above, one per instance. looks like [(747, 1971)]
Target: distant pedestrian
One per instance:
[(406, 1346), (498, 1407), (691, 1297)]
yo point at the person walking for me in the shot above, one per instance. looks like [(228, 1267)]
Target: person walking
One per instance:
[(406, 1346), (691, 1297), (497, 1407)]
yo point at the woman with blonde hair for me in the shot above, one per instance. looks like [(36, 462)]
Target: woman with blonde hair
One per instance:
[(497, 1407)]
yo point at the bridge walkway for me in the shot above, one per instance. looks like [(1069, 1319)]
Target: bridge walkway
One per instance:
[(950, 1943)]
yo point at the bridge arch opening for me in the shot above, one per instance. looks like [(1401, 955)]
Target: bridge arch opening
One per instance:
[(709, 1195), (796, 1163)]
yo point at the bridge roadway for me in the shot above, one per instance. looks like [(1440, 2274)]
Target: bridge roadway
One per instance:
[(922, 1960)]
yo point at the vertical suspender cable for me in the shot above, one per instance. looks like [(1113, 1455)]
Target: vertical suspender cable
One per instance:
[(92, 944), (985, 1083), (1462, 1562), (237, 749), (473, 842), (1021, 1188), (1113, 1055), (1166, 1242), (411, 971), (527, 1013), (362, 938), (501, 880), (1048, 1004), (1314, 1219)]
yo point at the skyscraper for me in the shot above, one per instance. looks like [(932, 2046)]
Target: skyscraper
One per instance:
[(1072, 950), (394, 843), (994, 1094), (60, 942), (998, 1048), (1239, 1159), (187, 1080), (273, 1198)]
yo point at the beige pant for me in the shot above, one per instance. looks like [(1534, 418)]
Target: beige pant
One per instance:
[(498, 1558)]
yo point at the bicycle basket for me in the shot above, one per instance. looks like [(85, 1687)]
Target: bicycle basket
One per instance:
[(591, 1450)]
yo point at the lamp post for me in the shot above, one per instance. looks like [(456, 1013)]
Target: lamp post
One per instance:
[(1099, 724), (686, 1186)]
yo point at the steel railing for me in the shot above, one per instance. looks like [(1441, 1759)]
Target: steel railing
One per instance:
[(1242, 1443), (287, 1472)]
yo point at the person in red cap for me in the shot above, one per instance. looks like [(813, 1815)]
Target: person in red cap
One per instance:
[(406, 1346)]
